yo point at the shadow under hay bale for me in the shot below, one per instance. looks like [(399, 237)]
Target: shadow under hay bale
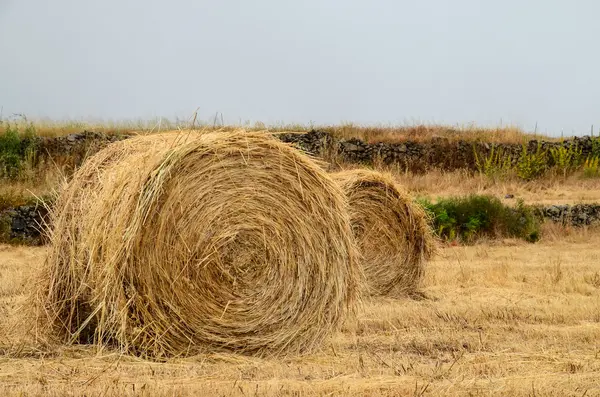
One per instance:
[(176, 244), (391, 230)]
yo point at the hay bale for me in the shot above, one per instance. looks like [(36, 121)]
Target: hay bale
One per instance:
[(171, 245), (392, 231)]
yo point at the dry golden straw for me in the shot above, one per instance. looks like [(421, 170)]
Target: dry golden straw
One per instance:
[(175, 244), (392, 232)]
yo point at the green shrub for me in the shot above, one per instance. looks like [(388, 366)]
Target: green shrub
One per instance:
[(17, 149), (10, 147), (495, 165), (471, 217), (596, 146), (591, 167), (566, 159), (532, 165)]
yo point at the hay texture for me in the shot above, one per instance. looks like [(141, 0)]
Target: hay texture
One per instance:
[(392, 232), (169, 245)]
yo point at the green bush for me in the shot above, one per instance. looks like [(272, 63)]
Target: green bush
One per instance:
[(566, 159), (495, 165), (532, 165), (16, 150), (563, 159), (595, 146), (471, 217), (591, 167)]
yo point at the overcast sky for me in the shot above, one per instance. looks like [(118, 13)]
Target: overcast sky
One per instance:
[(321, 61)]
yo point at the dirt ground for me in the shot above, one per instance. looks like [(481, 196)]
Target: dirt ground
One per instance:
[(500, 319)]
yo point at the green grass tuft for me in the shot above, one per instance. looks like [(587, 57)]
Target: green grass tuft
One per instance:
[(17, 150)]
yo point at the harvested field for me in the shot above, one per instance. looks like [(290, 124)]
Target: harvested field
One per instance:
[(499, 318), (502, 319)]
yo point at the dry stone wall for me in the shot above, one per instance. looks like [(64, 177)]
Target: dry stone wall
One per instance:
[(414, 156), (421, 156), (24, 224), (574, 215), (71, 150)]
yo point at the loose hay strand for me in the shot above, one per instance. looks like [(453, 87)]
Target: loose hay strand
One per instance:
[(165, 246), (391, 231)]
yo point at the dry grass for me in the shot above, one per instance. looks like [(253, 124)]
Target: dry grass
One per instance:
[(426, 132), (434, 183), (52, 128), (504, 319), (550, 190), (170, 245), (14, 193), (418, 132), (391, 231)]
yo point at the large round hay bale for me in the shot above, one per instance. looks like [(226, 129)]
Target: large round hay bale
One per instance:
[(392, 231), (171, 244)]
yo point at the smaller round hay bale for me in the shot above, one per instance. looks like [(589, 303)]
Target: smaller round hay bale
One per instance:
[(391, 230), (177, 244)]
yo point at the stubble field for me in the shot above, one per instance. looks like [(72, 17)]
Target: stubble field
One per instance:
[(504, 318)]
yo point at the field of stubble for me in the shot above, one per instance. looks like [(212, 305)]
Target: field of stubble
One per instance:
[(504, 319)]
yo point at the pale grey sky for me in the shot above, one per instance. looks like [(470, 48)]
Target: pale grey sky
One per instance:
[(325, 61)]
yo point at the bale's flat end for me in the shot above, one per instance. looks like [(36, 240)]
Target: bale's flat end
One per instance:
[(174, 244)]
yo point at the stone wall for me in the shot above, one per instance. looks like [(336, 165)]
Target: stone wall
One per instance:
[(414, 156), (421, 156), (574, 215), (77, 143), (71, 150), (24, 224)]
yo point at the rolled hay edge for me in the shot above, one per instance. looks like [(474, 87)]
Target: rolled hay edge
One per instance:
[(392, 232)]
